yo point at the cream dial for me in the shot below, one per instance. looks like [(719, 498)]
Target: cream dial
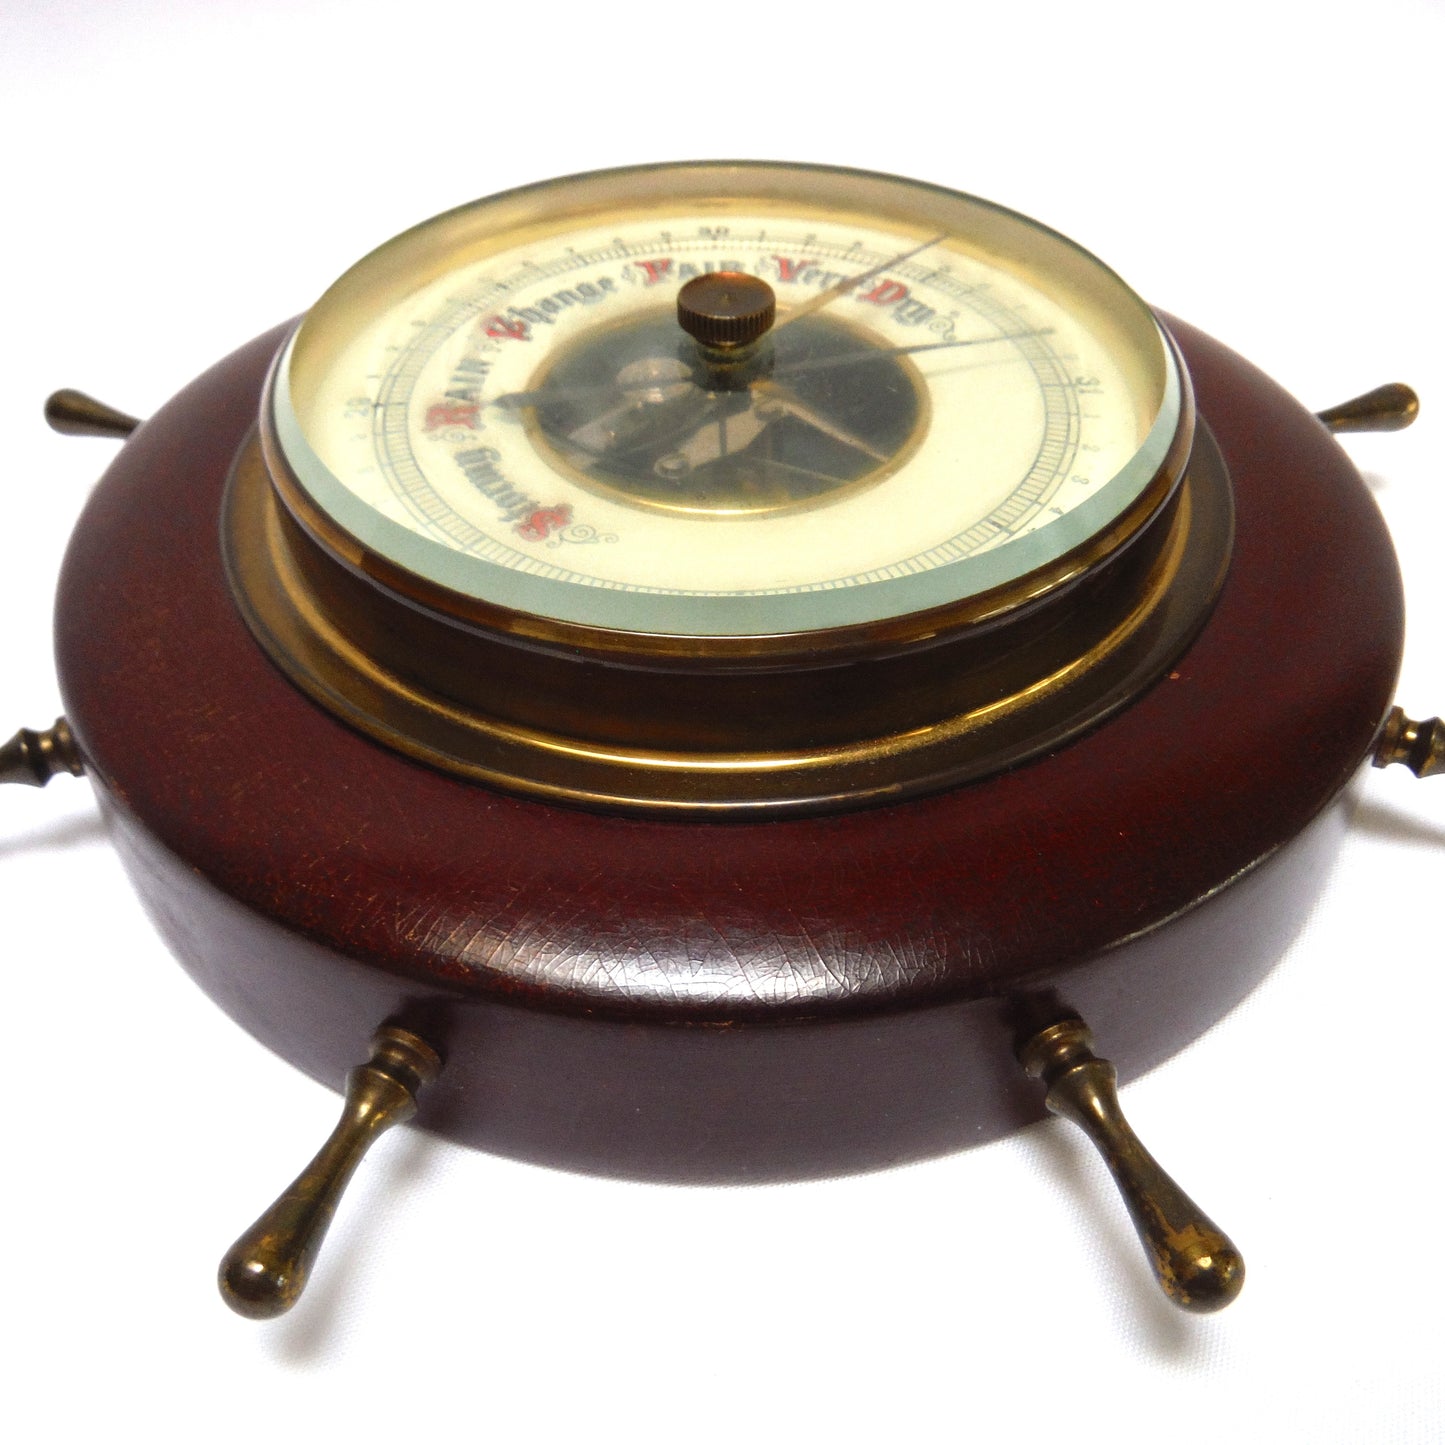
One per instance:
[(502, 402)]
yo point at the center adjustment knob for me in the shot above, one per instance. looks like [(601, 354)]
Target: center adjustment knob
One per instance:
[(726, 309)]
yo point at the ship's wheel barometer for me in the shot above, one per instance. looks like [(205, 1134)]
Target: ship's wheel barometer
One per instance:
[(712, 667)]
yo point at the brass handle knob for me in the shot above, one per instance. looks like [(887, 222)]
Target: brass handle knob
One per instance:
[(264, 1272), (1420, 746), (1195, 1262), (726, 309), (1391, 407), (34, 758), (74, 414)]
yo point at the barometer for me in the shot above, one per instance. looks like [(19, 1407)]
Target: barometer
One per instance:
[(719, 671), (736, 491)]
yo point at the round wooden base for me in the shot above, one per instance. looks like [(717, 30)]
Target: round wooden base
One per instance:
[(708, 1000)]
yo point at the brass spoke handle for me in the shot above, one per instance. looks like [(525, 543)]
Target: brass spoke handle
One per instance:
[(265, 1271), (1195, 1262), (33, 758), (74, 414), (1391, 407), (1420, 746)]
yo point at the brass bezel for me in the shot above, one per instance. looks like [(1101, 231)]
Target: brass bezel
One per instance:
[(927, 707), (714, 719), (441, 247), (647, 648)]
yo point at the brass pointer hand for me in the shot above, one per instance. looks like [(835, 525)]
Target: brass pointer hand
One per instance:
[(853, 358), (515, 400), (842, 288)]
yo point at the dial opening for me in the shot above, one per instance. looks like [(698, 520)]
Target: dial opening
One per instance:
[(630, 411)]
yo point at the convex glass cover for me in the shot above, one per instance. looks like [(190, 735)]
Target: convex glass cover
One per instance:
[(727, 486)]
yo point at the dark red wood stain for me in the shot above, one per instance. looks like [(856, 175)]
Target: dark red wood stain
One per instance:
[(705, 1000)]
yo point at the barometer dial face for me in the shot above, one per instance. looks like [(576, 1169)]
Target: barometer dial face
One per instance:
[(502, 404)]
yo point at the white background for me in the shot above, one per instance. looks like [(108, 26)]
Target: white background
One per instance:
[(178, 178)]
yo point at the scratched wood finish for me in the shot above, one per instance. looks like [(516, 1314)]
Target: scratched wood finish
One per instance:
[(708, 1000)]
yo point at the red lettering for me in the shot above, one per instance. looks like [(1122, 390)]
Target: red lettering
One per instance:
[(503, 327), (542, 523), (885, 293), (453, 413), (656, 270), (789, 269)]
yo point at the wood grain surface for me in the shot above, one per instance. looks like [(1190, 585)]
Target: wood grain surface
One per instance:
[(713, 1000)]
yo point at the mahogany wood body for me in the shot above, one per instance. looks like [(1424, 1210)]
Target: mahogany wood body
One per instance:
[(715, 1000)]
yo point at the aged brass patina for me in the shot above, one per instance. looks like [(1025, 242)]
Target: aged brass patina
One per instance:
[(727, 309), (1391, 407), (34, 758), (264, 1272), (75, 414), (1420, 746), (696, 723), (725, 730), (1195, 1262)]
